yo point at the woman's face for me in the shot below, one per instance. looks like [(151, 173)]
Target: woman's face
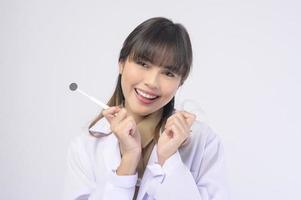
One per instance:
[(147, 87)]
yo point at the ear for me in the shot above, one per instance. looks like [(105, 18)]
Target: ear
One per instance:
[(121, 66)]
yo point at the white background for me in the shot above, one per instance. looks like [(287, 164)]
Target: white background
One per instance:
[(246, 77)]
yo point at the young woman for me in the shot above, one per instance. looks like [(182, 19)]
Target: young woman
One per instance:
[(141, 147)]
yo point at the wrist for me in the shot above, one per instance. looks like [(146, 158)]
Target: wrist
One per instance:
[(161, 159), (128, 165), (135, 155)]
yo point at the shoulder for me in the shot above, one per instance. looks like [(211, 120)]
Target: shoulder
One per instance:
[(82, 144), (81, 140)]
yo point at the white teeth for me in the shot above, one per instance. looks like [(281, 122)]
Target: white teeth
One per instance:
[(146, 95)]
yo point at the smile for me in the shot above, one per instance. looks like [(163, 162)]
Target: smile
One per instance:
[(146, 97)]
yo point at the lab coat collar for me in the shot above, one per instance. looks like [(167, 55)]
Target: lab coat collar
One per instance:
[(101, 128), (109, 143), (111, 152)]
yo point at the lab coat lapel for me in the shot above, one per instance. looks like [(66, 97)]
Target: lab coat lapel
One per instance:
[(111, 152), (109, 145), (101, 128), (147, 174)]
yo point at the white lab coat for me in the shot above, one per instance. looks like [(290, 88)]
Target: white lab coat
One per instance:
[(195, 171)]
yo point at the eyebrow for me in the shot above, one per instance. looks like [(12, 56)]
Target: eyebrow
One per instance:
[(144, 58), (171, 68), (167, 67)]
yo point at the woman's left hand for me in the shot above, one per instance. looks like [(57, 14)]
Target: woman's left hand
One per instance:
[(177, 130)]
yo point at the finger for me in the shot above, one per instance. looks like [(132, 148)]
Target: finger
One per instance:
[(180, 129), (117, 119), (119, 116), (128, 126), (190, 117), (110, 112), (179, 118), (177, 134), (170, 120), (168, 132), (132, 124)]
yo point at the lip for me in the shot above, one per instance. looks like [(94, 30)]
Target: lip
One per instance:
[(144, 100), (147, 92)]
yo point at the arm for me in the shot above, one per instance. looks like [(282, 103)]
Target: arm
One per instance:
[(171, 181), (175, 181), (80, 181)]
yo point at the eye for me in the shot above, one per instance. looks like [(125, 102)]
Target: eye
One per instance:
[(169, 74), (142, 63)]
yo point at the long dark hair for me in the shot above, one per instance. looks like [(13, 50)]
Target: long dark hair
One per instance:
[(163, 43)]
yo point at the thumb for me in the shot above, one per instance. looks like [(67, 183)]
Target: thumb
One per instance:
[(110, 112), (190, 117)]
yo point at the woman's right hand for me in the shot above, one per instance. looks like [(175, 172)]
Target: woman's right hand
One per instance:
[(124, 127)]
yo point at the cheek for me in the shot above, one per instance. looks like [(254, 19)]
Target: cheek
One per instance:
[(170, 89), (129, 78), (130, 74)]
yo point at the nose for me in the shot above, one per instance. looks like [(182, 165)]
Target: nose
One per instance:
[(151, 78)]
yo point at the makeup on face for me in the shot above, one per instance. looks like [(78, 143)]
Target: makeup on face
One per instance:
[(147, 87)]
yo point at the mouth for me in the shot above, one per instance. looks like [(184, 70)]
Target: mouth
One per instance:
[(146, 97)]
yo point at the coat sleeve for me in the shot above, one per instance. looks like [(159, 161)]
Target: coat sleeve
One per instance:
[(175, 181), (80, 181)]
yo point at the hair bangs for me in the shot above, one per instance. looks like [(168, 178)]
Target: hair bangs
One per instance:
[(161, 49), (162, 43)]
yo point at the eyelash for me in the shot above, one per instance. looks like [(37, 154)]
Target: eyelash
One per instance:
[(167, 73), (143, 64)]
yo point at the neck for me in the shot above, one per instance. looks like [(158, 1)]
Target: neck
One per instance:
[(147, 126), (150, 120)]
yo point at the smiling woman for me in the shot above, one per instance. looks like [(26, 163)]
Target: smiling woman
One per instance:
[(147, 87), (141, 147)]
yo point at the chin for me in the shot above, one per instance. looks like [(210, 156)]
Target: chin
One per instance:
[(144, 111)]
